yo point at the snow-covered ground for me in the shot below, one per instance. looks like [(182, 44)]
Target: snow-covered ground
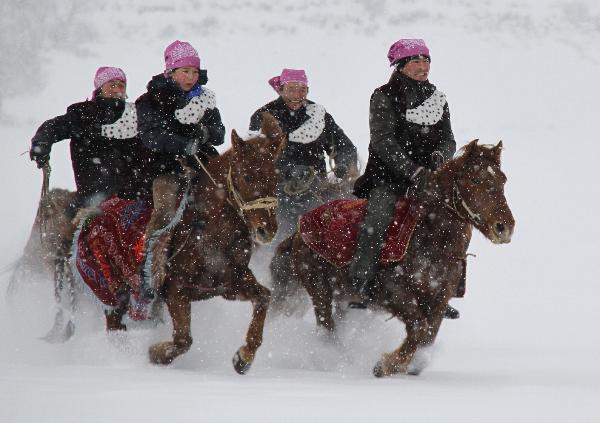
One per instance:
[(527, 346)]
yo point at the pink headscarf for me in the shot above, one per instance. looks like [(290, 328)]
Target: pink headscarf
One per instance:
[(105, 74), (181, 54), (288, 75), (407, 47)]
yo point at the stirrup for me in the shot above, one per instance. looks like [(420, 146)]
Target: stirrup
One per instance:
[(145, 292)]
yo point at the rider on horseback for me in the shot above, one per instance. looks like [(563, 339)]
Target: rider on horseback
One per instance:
[(411, 137), (311, 132), (177, 118), (105, 151)]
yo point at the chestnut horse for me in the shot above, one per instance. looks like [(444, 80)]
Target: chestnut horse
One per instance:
[(231, 206), (236, 198), (467, 192)]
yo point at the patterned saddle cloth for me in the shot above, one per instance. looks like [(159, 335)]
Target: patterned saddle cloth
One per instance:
[(331, 230), (110, 249)]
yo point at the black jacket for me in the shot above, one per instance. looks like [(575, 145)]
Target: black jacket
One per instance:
[(309, 152), (408, 120), (168, 121), (106, 154)]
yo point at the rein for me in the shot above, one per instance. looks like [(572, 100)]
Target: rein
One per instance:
[(471, 216), (43, 202)]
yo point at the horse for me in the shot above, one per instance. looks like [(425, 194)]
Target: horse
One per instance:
[(50, 237), (230, 207), (466, 192)]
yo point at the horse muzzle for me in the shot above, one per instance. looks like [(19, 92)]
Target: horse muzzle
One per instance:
[(262, 235), (501, 233)]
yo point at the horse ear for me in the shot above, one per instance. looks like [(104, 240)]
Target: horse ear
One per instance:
[(271, 128), (236, 143), (470, 147), (498, 151)]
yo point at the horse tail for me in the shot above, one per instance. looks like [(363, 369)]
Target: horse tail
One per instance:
[(287, 295)]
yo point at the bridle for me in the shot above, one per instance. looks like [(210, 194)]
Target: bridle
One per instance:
[(235, 199), (267, 203), (458, 203)]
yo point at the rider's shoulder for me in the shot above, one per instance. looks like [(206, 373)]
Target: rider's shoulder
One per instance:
[(83, 108)]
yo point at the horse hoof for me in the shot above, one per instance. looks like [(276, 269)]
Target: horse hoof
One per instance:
[(240, 365), (378, 369), (162, 353)]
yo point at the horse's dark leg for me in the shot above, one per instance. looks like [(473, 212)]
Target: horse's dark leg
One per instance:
[(285, 287), (64, 294), (114, 317), (260, 297), (180, 309), (316, 283)]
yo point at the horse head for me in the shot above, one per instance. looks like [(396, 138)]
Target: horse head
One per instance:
[(252, 177), (477, 190)]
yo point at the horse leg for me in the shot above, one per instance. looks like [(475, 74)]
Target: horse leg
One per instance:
[(286, 296), (421, 357), (260, 298), (114, 317), (180, 309), (64, 295), (398, 360), (434, 321), (316, 284)]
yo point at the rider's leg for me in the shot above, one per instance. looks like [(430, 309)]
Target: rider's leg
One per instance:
[(380, 211), (164, 195)]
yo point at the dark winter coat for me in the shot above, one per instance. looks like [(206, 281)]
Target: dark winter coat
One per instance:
[(168, 121), (408, 120), (307, 145), (106, 154)]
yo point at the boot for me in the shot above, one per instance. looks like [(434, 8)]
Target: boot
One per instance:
[(451, 313)]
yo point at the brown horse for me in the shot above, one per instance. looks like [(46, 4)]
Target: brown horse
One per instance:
[(467, 192), (49, 239), (233, 207)]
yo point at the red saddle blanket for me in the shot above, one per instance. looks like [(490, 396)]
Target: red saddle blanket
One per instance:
[(110, 250), (331, 230)]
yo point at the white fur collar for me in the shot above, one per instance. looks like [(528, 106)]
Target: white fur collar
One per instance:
[(430, 112), (194, 111), (312, 128), (125, 127)]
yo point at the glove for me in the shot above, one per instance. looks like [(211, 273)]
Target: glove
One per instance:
[(195, 143), (40, 153), (340, 171), (300, 179), (302, 173), (417, 182), (437, 160)]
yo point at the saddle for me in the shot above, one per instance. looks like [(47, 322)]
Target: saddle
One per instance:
[(331, 230)]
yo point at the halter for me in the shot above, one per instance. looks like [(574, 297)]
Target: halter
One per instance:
[(471, 217), (260, 203), (242, 205)]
